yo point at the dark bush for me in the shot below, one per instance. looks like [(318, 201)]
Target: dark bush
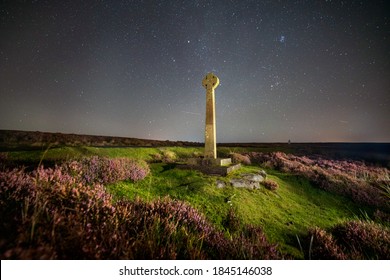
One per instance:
[(270, 185), (232, 222), (240, 158), (351, 240), (363, 240), (105, 170)]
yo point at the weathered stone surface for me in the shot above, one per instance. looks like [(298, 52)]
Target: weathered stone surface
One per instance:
[(210, 82), (223, 161), (253, 177), (243, 183), (209, 161), (263, 174), (247, 180), (238, 183), (232, 168), (210, 169), (221, 184)]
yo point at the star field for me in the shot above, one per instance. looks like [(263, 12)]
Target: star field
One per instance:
[(302, 70)]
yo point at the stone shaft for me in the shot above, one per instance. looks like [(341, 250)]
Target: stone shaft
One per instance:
[(210, 82)]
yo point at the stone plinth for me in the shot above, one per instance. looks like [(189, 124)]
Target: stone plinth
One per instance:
[(218, 166), (210, 169), (209, 161)]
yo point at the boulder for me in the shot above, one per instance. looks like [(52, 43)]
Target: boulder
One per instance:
[(243, 183), (253, 177)]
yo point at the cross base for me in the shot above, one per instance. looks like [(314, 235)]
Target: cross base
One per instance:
[(211, 166), (209, 161)]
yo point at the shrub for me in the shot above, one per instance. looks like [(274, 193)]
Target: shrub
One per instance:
[(106, 170), (355, 180), (232, 222), (255, 244), (240, 158), (351, 240), (382, 217), (363, 240), (323, 246), (168, 156), (157, 157), (270, 185)]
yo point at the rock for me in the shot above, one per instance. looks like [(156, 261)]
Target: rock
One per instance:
[(238, 183), (263, 174), (247, 181), (242, 183), (254, 185), (253, 177), (220, 184)]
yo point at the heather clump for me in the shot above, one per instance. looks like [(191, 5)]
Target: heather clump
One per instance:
[(106, 170), (240, 158), (165, 155), (17, 193), (363, 240), (59, 213), (323, 246), (362, 183), (232, 222), (270, 185), (256, 245), (350, 240)]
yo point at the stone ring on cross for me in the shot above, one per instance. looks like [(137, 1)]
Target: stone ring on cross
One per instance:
[(210, 81)]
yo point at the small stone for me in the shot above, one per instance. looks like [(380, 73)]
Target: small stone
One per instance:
[(221, 184), (255, 185), (238, 183), (263, 174), (242, 183)]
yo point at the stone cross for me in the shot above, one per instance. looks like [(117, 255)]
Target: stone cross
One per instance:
[(210, 82)]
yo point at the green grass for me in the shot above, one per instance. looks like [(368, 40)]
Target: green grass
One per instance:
[(283, 214), (290, 211), (225, 151), (192, 186), (58, 154)]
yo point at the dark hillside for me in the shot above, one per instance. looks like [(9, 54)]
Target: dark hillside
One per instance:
[(14, 139)]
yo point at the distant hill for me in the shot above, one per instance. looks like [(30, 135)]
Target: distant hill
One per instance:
[(10, 139)]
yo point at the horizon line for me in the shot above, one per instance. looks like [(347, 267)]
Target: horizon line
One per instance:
[(197, 142)]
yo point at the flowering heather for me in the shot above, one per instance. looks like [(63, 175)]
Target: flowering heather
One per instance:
[(239, 158), (353, 179), (105, 170), (59, 213), (323, 246), (351, 240)]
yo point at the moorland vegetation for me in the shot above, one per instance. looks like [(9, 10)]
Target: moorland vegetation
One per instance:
[(132, 203)]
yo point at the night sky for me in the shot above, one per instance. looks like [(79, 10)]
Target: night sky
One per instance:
[(309, 71)]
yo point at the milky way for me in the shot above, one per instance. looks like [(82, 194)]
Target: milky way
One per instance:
[(301, 70)]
